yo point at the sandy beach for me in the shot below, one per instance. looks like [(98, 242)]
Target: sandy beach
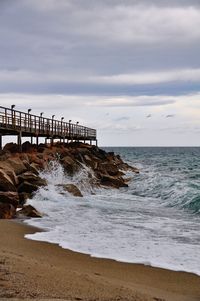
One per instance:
[(31, 269)]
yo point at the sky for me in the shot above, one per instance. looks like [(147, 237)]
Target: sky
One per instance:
[(130, 69)]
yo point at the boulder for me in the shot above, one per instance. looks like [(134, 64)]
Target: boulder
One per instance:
[(108, 168), (32, 179), (9, 198), (6, 183), (31, 167), (70, 165), (71, 188), (27, 187), (7, 211), (115, 182), (29, 211), (23, 197), (12, 147), (7, 169), (17, 165)]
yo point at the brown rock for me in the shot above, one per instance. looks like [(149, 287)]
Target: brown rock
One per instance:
[(115, 182), (7, 169), (9, 198), (6, 183), (71, 188), (17, 165), (31, 167), (27, 187), (32, 179), (7, 211), (29, 211), (23, 197), (108, 168), (70, 165), (12, 147)]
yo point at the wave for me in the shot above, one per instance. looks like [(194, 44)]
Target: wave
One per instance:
[(150, 222)]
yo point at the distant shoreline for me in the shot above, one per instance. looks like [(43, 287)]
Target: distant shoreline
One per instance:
[(33, 269)]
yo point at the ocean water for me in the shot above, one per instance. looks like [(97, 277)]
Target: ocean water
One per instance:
[(155, 221)]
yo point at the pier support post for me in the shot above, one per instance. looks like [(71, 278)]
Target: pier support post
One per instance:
[(51, 141), (31, 139), (19, 140), (37, 140), (96, 142), (0, 142)]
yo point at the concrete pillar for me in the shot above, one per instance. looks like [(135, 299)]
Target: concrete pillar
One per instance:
[(31, 139), (37, 140), (96, 142), (0, 142), (19, 140)]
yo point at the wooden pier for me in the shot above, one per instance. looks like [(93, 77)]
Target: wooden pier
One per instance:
[(21, 124)]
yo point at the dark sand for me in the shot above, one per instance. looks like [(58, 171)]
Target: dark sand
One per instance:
[(31, 269)]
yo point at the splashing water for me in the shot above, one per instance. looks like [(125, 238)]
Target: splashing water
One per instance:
[(155, 221)]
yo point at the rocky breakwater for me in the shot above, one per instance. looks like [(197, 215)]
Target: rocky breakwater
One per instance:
[(20, 172)]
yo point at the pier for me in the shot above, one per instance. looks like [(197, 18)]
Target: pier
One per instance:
[(22, 124)]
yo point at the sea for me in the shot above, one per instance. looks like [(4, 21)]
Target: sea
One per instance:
[(155, 221)]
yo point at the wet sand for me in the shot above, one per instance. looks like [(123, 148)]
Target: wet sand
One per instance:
[(31, 269)]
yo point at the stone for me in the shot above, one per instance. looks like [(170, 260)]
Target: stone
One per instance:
[(70, 165), (9, 198), (31, 167), (29, 211), (6, 183), (7, 211), (108, 168), (7, 169), (32, 179), (23, 197), (71, 188), (17, 165), (27, 187), (115, 182), (12, 147)]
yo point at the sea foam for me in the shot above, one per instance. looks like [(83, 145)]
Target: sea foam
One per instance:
[(140, 224)]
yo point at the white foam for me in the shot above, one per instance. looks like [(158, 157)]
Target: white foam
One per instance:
[(116, 224)]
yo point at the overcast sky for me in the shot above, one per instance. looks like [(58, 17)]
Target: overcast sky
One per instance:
[(130, 69)]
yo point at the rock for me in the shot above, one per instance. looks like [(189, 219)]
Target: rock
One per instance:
[(17, 165), (7, 169), (29, 211), (115, 182), (12, 147), (108, 168), (32, 179), (6, 183), (27, 187), (31, 167), (23, 197), (9, 198), (70, 165), (71, 188), (7, 211), (28, 147)]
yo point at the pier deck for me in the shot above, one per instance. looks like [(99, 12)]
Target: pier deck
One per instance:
[(21, 124)]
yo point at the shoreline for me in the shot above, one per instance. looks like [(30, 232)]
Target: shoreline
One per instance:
[(34, 269), (37, 229)]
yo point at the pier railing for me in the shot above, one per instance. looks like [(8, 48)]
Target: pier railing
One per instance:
[(13, 121)]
